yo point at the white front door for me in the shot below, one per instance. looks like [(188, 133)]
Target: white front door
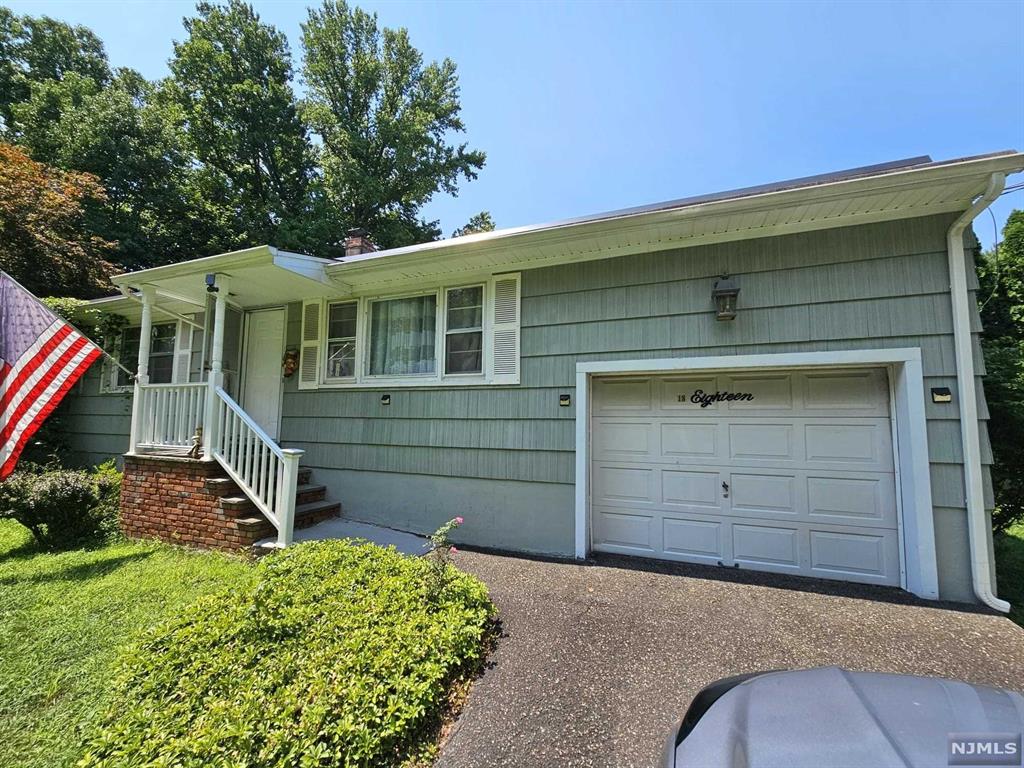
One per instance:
[(779, 471), (261, 368)]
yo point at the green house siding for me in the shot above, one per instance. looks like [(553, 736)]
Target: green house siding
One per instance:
[(97, 424), (503, 456)]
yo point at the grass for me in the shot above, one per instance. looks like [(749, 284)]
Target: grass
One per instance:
[(1009, 548), (64, 619)]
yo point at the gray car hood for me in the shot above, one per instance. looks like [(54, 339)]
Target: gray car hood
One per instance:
[(831, 717)]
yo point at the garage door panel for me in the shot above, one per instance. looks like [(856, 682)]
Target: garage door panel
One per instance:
[(625, 532), (766, 545), (852, 501), (771, 392), (762, 441), (624, 484), (691, 489), (758, 495), (690, 439), (675, 393), (863, 392), (694, 538), (867, 444), (855, 556), (624, 440), (622, 395)]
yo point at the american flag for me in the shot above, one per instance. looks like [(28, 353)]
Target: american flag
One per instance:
[(41, 358)]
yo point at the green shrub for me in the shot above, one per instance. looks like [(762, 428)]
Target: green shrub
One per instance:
[(341, 656), (107, 513), (64, 508)]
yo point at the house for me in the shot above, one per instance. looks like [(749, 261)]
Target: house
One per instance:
[(783, 378)]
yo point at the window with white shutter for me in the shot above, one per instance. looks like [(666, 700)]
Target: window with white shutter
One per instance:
[(505, 330), (309, 352)]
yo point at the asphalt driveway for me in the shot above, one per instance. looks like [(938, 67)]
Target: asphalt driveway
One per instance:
[(597, 661)]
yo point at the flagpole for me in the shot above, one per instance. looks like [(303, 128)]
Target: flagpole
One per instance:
[(104, 352)]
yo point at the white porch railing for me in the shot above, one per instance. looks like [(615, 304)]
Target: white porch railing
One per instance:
[(168, 414), (267, 473)]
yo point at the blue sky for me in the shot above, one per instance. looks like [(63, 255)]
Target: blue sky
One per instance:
[(591, 106)]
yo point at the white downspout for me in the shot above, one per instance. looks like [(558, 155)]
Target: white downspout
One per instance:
[(977, 523)]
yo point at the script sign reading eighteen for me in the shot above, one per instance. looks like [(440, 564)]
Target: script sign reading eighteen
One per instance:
[(704, 399)]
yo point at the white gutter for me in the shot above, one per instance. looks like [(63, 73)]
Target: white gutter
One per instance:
[(977, 521)]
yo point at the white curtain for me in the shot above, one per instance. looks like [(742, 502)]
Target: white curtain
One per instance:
[(402, 336)]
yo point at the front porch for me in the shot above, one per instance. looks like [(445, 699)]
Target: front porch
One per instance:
[(204, 438)]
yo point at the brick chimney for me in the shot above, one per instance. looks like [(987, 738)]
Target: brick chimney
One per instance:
[(358, 241)]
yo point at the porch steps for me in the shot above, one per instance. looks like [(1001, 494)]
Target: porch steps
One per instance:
[(311, 506)]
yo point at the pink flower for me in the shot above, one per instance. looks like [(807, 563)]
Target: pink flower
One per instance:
[(458, 521), (453, 550)]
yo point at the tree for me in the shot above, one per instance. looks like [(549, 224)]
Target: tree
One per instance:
[(125, 135), (1001, 278), (44, 243), (231, 80), (384, 119), (33, 50), (480, 222)]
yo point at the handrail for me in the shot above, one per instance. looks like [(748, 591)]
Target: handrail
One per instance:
[(230, 402), (182, 385), (266, 473)]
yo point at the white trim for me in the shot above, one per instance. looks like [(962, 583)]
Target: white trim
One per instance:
[(920, 573)]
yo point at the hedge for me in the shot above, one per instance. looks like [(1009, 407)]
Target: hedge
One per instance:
[(342, 655)]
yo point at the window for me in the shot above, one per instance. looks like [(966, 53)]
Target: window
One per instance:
[(161, 354), (403, 336), (341, 340), (464, 331)]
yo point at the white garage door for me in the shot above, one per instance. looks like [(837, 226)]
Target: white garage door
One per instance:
[(782, 471)]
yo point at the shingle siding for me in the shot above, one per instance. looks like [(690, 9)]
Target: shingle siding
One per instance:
[(872, 286)]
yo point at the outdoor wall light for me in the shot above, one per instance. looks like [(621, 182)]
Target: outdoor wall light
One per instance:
[(211, 284), (385, 399), (565, 400), (725, 291), (942, 395)]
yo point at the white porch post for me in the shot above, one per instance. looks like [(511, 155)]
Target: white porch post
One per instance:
[(142, 372), (216, 377), (286, 495)]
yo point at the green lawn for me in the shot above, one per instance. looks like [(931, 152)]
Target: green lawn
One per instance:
[(1009, 548), (63, 619)]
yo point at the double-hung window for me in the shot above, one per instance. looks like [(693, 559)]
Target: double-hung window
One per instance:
[(341, 340), (464, 331), (161, 353)]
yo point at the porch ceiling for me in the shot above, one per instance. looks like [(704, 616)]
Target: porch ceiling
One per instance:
[(256, 277)]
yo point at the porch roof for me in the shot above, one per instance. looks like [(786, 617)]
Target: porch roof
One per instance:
[(259, 276)]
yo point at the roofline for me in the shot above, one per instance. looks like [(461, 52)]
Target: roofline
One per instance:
[(219, 262), (908, 171)]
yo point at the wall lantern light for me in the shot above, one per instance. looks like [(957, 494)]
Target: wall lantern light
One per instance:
[(724, 293)]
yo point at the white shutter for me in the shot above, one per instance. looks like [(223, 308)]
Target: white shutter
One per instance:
[(505, 330), (309, 352), (182, 353)]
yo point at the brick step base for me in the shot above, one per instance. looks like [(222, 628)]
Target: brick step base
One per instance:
[(186, 501)]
